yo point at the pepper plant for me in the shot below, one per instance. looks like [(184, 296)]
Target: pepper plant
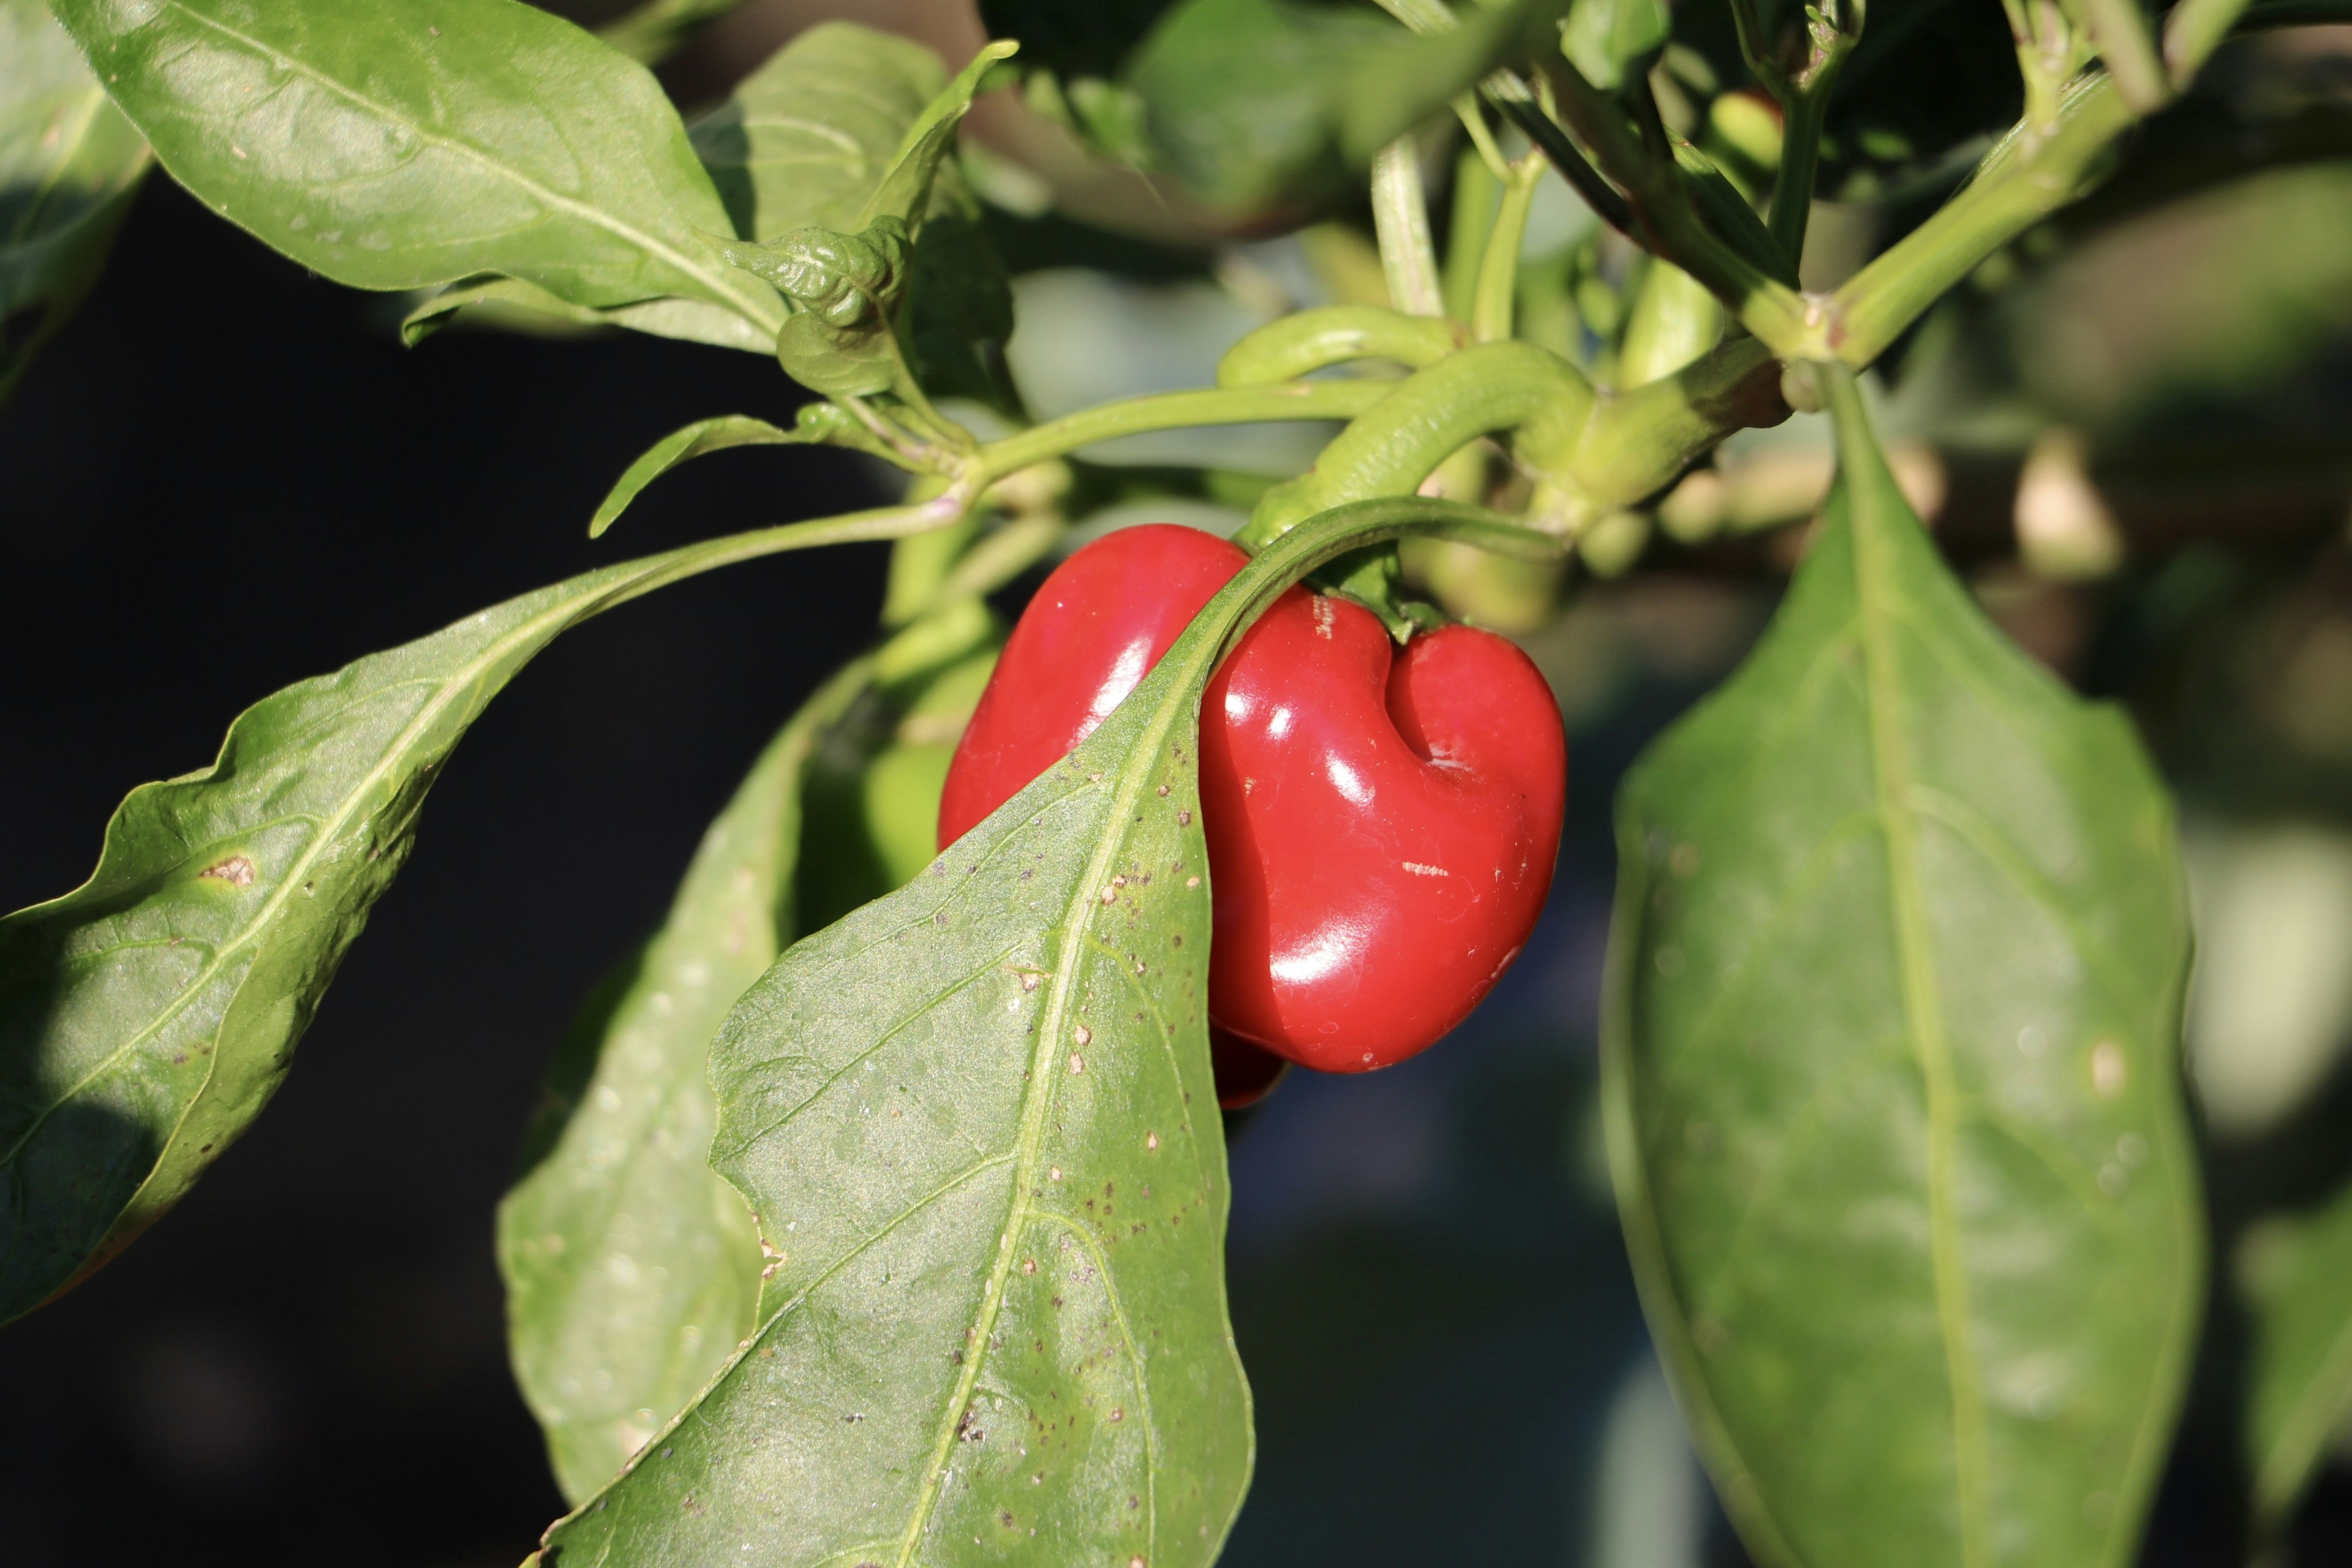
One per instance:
[(876, 1213)]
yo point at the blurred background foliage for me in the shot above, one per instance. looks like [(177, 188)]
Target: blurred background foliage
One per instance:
[(2132, 431)]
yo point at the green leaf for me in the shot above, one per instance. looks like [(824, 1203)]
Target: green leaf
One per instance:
[(401, 146), (632, 1269), (70, 164), (960, 302), (147, 1017), (2295, 1275), (1891, 1055), (806, 139), (702, 437), (905, 190), (843, 288), (1607, 39), (490, 298), (977, 1123), (1256, 103)]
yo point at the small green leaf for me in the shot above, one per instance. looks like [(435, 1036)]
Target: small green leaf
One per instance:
[(904, 190), (632, 1269), (70, 164), (2295, 1275), (1891, 1057), (147, 1017), (704, 436), (804, 140), (1606, 40), (976, 1121), (485, 298), (844, 288), (403, 146)]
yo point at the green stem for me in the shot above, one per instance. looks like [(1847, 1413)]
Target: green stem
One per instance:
[(1498, 265), (1474, 188), (2193, 31), (1635, 442), (1401, 219), (2010, 193), (1314, 340), (1175, 410), (2120, 32), (1670, 221), (1429, 416), (1801, 117)]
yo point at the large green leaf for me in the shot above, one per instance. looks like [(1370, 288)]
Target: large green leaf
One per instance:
[(401, 146), (976, 1121), (803, 140), (1253, 103), (1891, 1054), (147, 1017), (70, 164), (632, 1269), (2297, 1279)]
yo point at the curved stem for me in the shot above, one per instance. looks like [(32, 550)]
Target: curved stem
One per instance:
[(1335, 334), (1426, 419), (1400, 218)]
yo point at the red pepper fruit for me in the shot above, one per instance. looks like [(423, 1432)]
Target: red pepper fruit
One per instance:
[(1380, 829)]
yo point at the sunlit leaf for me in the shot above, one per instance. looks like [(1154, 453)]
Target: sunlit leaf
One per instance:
[(401, 146), (147, 1017), (1892, 1058)]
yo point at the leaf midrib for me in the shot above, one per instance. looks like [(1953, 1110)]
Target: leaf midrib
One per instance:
[(330, 829), (1077, 928), (1892, 784), (759, 312)]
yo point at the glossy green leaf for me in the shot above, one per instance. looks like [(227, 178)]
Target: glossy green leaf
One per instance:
[(147, 1017), (1255, 103), (695, 440), (976, 1122), (1891, 1055), (2296, 1277), (401, 146), (807, 137), (632, 1269), (70, 164)]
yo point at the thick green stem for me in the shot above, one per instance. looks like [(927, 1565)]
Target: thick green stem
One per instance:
[(1498, 264), (1172, 411), (1802, 114), (2011, 192), (1390, 450), (1474, 186), (1635, 442), (1335, 334), (1401, 219), (2120, 32)]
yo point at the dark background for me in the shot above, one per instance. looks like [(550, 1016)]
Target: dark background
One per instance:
[(226, 476)]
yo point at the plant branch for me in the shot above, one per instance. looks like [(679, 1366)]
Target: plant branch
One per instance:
[(1510, 96), (1171, 411), (1498, 267), (1670, 222), (2193, 31), (1400, 218), (2120, 33)]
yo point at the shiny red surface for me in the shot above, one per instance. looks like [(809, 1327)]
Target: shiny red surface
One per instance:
[(1096, 626), (1381, 829), (1380, 826)]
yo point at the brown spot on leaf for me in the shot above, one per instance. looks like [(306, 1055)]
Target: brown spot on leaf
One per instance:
[(236, 872)]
